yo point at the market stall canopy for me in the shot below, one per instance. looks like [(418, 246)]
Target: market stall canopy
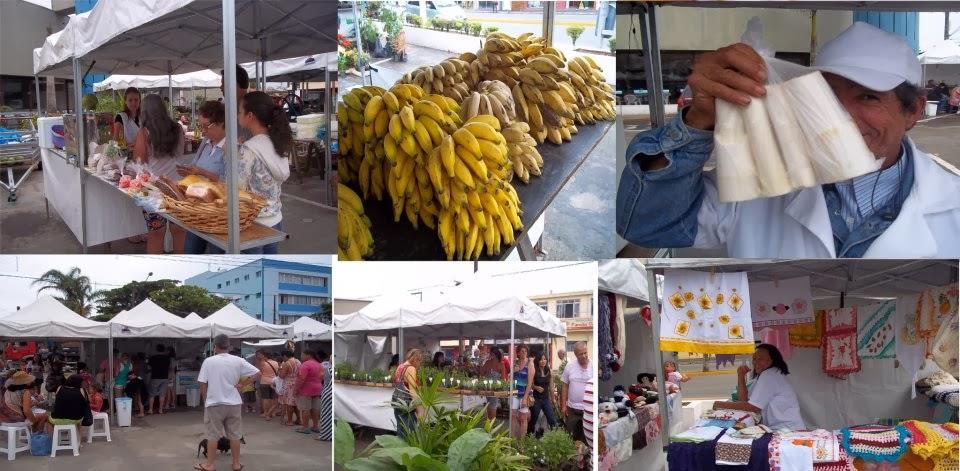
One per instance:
[(306, 328), (147, 320), (199, 79), (297, 69), (193, 317), (48, 318), (267, 343), (469, 310), (869, 5), (624, 276), (54, 56), (175, 36), (231, 320), (945, 52), (861, 282)]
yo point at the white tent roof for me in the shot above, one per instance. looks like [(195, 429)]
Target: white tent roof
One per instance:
[(624, 276), (306, 328), (157, 37), (468, 310), (149, 320), (48, 318), (945, 52), (193, 317), (199, 79), (297, 69), (231, 320)]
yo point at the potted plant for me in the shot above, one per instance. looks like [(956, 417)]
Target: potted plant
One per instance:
[(574, 32), (555, 451)]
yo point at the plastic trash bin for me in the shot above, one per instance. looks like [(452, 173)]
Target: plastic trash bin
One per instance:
[(124, 410), (931, 109), (193, 397)]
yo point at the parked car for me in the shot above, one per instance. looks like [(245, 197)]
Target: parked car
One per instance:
[(444, 9)]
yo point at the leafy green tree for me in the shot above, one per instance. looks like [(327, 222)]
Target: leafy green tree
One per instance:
[(75, 290), (128, 296), (184, 299), (324, 314), (574, 32)]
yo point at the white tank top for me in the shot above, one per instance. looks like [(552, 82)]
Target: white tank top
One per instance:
[(130, 128)]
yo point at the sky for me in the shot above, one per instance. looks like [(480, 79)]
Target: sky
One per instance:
[(366, 280), (930, 29), (17, 272)]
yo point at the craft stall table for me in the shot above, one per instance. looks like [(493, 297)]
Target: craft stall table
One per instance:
[(370, 405), (400, 241)]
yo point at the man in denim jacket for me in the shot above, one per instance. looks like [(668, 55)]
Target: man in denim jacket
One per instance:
[(910, 208)]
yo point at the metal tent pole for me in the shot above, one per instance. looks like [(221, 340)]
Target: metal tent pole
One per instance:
[(513, 360), (651, 64), (661, 386), (170, 85), (81, 146), (327, 138), (402, 353), (109, 381), (36, 83), (230, 150), (549, 13)]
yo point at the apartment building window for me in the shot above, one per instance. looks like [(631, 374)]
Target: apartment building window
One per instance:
[(219, 286), (308, 280), (258, 295), (258, 273), (246, 298), (567, 308), (302, 300), (246, 277), (236, 280), (570, 346), (228, 282), (543, 305)]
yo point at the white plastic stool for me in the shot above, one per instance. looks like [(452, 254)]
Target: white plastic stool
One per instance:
[(14, 431), (74, 440), (102, 416)]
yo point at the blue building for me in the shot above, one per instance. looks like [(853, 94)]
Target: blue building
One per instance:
[(273, 291)]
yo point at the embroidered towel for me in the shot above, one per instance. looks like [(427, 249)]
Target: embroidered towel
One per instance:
[(875, 330), (875, 442), (697, 434), (908, 347), (933, 306), (733, 451), (946, 346), (778, 336), (839, 349), (808, 335), (783, 302), (706, 313)]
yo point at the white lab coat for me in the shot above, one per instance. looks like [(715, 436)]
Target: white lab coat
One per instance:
[(796, 225)]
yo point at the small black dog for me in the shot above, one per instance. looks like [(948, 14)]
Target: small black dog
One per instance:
[(223, 446)]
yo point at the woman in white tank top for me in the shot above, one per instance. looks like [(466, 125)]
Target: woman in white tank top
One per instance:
[(127, 122)]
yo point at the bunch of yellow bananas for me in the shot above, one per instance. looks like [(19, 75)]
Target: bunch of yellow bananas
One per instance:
[(469, 172), (501, 57), (492, 97), (453, 77), (545, 98), (522, 149), (350, 128), (597, 94), (353, 227)]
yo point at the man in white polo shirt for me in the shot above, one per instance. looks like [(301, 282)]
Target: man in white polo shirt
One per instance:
[(574, 383), (220, 384)]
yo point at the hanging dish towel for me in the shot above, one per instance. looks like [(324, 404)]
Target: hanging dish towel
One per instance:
[(839, 349), (946, 346), (875, 442), (778, 336), (809, 335), (875, 330), (908, 347), (783, 302), (933, 306), (706, 313)]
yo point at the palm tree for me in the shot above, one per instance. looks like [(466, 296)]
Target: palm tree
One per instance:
[(76, 291)]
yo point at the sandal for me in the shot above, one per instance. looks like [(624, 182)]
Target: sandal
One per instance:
[(302, 430), (315, 430), (200, 467), (238, 469)]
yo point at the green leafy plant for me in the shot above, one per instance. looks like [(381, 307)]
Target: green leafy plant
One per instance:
[(490, 29), (574, 32), (613, 45), (475, 29), (391, 23), (378, 376), (415, 20), (90, 102), (368, 34), (558, 448)]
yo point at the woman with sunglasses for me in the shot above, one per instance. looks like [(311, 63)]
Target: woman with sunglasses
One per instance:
[(208, 162)]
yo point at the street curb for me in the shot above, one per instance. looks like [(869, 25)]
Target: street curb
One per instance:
[(518, 21)]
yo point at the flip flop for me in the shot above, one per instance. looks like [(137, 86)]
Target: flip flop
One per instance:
[(199, 467), (302, 430), (315, 430), (238, 469)]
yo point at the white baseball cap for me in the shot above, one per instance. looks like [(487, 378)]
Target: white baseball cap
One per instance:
[(870, 57)]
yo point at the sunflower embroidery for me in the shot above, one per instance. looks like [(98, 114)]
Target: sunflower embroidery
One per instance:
[(735, 332), (724, 318), (736, 302), (705, 302), (682, 328), (676, 299), (691, 314), (720, 298), (688, 296)]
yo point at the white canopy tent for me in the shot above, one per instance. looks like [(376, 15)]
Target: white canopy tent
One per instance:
[(193, 317), (295, 69), (235, 323), (199, 79), (882, 388), (48, 318), (941, 62), (176, 36), (149, 320), (623, 276), (306, 328)]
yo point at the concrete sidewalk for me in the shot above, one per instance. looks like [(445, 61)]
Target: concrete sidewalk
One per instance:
[(170, 442)]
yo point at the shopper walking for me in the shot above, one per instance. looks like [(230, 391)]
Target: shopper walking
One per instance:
[(308, 387)]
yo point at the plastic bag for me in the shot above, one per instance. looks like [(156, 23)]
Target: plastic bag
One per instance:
[(40, 444), (797, 136)]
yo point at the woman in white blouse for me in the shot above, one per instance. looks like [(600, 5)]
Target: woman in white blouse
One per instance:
[(771, 394)]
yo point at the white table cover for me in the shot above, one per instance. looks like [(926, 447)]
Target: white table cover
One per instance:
[(370, 406)]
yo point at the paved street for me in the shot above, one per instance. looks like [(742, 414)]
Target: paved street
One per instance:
[(516, 23)]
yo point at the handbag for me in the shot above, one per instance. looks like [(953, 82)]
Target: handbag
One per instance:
[(400, 392), (277, 381), (40, 444)]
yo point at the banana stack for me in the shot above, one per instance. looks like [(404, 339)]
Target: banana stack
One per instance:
[(453, 78), (353, 227), (545, 98), (522, 149), (469, 172), (492, 97), (597, 94), (350, 126), (500, 58)]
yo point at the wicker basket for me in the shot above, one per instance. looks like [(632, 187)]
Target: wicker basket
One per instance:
[(210, 218)]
